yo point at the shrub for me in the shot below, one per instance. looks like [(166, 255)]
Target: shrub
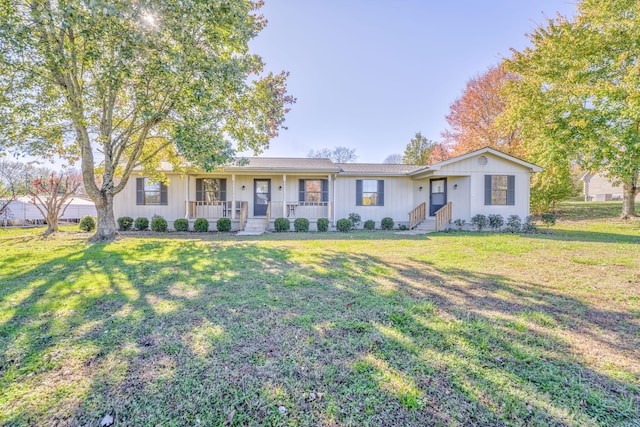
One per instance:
[(181, 224), (223, 224), (158, 224), (125, 223), (496, 221), (529, 227), (301, 224), (370, 225), (548, 219), (402, 227), (514, 224), (323, 224), (282, 224), (141, 223), (479, 221), (387, 223), (87, 223), (355, 219), (201, 225), (459, 223), (344, 225)]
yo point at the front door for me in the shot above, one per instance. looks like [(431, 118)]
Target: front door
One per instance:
[(261, 196), (437, 195)]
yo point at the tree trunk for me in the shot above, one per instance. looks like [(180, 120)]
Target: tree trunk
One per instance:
[(629, 191), (106, 227), (52, 222)]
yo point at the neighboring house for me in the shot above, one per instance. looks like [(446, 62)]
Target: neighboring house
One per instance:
[(23, 210), (485, 181), (599, 189)]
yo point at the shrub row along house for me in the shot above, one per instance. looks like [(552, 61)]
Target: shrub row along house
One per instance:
[(253, 194)]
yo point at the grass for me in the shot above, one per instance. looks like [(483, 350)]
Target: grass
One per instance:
[(365, 328)]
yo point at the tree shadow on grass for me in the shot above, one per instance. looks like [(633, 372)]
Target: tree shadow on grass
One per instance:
[(200, 332)]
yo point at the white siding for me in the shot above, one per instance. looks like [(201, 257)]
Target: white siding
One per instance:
[(398, 199), (124, 203)]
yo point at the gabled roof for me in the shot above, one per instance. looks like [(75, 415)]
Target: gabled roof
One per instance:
[(485, 150), (376, 169), (284, 164)]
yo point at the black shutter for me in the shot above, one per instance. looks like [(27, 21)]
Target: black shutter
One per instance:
[(199, 197), (223, 190), (139, 191), (511, 190), (487, 189), (163, 194), (380, 192), (325, 190), (301, 195), (358, 192)]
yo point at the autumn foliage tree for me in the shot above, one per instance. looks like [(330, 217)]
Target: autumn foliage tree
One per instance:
[(423, 151), (52, 195), (473, 117), (122, 85)]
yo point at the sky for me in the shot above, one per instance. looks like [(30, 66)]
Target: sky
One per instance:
[(369, 74)]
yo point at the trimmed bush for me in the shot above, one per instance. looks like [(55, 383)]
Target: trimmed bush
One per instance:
[(529, 227), (125, 223), (201, 225), (281, 225), (301, 225), (387, 223), (87, 223), (479, 221), (402, 227), (370, 225), (181, 224), (459, 223), (496, 221), (355, 219), (223, 224), (514, 224), (158, 224), (323, 224), (141, 223), (548, 219), (344, 225)]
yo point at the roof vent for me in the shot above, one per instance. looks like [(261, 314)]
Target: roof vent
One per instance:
[(482, 160)]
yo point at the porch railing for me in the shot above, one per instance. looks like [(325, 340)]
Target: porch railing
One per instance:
[(267, 216), (417, 215), (309, 210), (244, 214), (443, 216), (212, 209)]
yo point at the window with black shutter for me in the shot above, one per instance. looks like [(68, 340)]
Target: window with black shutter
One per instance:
[(211, 189), (313, 190), (499, 189), (369, 192), (150, 192)]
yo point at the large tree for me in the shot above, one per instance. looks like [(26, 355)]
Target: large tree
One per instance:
[(423, 151), (336, 154), (123, 84), (578, 93), (473, 117)]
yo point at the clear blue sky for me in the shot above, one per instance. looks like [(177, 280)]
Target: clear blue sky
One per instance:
[(368, 74)]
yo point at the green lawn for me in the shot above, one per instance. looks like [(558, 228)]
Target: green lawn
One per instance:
[(325, 329)]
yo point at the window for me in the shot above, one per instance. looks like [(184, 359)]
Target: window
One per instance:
[(211, 189), (369, 192), (150, 192), (313, 190), (499, 189)]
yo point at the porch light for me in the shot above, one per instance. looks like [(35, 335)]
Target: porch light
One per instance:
[(420, 188), (280, 188), (243, 187), (455, 186)]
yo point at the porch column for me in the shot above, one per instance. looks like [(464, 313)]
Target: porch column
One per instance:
[(186, 193), (329, 204), (233, 196), (284, 196)]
